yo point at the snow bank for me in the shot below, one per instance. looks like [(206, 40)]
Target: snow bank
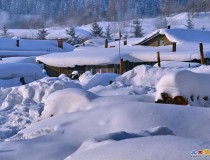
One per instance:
[(193, 86), (102, 79), (20, 106), (149, 76), (67, 101)]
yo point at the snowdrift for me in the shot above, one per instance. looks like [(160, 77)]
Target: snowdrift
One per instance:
[(192, 86), (58, 137), (67, 101)]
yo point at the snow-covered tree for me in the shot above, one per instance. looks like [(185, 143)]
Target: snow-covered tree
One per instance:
[(108, 32), (4, 31), (74, 39), (42, 33), (137, 28), (189, 24), (96, 29)]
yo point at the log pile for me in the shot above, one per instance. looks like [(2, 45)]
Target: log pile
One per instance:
[(167, 99)]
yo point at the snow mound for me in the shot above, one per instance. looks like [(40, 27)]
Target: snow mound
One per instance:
[(67, 101), (20, 106), (102, 79), (143, 75), (193, 86)]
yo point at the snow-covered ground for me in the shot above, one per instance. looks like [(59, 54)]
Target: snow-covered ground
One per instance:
[(57, 118), (106, 116)]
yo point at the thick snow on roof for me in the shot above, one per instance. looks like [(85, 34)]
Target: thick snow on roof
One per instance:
[(102, 56), (30, 47), (29, 71), (182, 35), (193, 86)]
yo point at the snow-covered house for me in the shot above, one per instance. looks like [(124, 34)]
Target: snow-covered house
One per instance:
[(164, 37), (27, 47), (100, 59)]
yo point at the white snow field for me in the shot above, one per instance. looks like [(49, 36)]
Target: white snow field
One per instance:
[(56, 118)]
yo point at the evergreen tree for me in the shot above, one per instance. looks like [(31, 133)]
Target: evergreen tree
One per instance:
[(73, 38), (4, 31), (97, 30), (138, 31), (189, 24), (42, 33), (108, 32)]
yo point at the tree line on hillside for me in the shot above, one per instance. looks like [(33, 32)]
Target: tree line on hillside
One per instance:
[(36, 14)]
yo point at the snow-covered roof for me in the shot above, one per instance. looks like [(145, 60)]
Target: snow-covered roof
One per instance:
[(29, 47), (181, 35), (103, 56)]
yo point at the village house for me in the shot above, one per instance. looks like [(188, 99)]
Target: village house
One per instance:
[(100, 59)]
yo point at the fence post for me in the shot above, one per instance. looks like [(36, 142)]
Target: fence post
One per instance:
[(121, 66), (201, 53), (106, 43), (174, 47), (158, 59)]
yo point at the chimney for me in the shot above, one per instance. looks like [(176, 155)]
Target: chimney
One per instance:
[(60, 43), (169, 27)]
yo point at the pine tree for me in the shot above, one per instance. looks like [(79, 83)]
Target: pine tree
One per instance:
[(42, 33), (108, 32), (97, 30), (4, 31), (189, 24), (73, 38), (137, 29)]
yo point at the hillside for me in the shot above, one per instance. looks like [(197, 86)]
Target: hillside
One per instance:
[(30, 13)]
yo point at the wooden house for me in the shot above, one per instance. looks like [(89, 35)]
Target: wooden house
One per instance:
[(157, 39)]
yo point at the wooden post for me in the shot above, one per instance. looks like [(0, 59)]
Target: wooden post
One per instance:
[(201, 53), (121, 66), (18, 43), (60, 43), (106, 43), (125, 42), (158, 59), (174, 47)]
